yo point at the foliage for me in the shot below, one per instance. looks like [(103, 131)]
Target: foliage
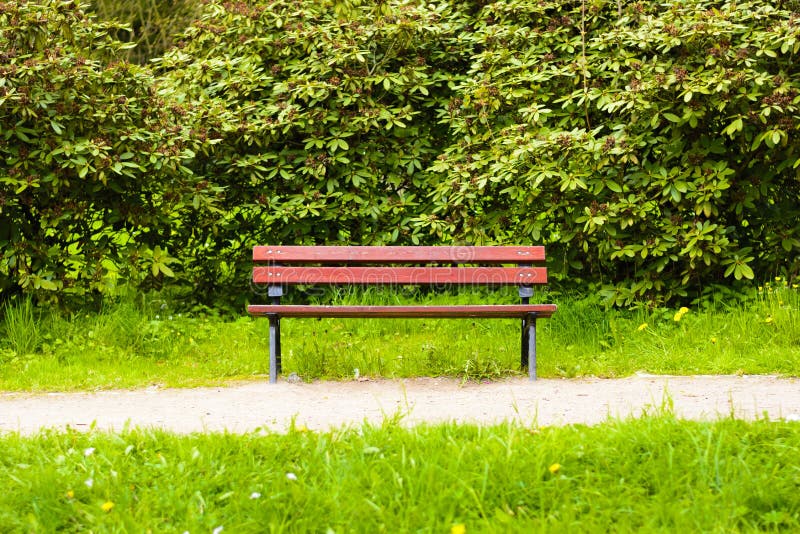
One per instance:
[(151, 24), (650, 147), (323, 121), (653, 148), (91, 158)]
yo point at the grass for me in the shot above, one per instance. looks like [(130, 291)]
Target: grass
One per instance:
[(131, 344), (20, 327), (655, 473)]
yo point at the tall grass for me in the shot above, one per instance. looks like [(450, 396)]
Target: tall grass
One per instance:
[(650, 474), (133, 343), (20, 327)]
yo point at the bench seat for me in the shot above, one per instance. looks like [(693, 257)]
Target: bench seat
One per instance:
[(495, 311)]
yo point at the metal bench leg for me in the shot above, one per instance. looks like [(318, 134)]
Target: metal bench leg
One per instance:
[(274, 348), (523, 358), (530, 330), (525, 293)]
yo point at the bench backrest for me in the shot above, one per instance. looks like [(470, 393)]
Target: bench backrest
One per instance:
[(401, 265)]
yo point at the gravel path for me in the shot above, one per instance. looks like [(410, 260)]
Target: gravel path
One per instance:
[(244, 407)]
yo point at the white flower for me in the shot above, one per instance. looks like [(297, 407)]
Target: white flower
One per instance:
[(291, 476), (217, 530), (89, 482), (255, 495), (88, 452)]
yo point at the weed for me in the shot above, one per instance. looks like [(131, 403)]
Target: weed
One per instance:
[(480, 368), (21, 327)]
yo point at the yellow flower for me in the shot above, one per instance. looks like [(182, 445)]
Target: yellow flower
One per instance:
[(641, 327), (70, 494), (713, 340), (768, 320), (680, 313), (107, 506), (555, 468), (458, 529), (777, 278)]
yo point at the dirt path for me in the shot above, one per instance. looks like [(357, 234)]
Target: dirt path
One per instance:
[(321, 405)]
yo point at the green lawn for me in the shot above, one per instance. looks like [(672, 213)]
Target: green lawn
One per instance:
[(134, 345), (655, 473), (650, 474)]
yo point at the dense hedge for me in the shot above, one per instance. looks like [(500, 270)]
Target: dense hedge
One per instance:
[(323, 123), (651, 146), (656, 151), (90, 158)]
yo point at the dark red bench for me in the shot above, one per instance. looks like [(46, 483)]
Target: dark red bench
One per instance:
[(280, 266)]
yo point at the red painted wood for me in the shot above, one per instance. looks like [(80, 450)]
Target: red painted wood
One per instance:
[(397, 254), (401, 275), (497, 311)]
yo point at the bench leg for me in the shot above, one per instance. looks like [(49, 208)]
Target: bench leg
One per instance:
[(523, 354), (529, 339), (274, 348)]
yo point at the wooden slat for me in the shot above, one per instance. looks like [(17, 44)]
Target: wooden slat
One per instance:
[(497, 311), (398, 254), (275, 275)]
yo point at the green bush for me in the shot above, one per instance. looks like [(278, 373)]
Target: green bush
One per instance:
[(653, 147), (650, 146), (91, 159), (322, 119)]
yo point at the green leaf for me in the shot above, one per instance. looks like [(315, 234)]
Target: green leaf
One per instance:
[(166, 270), (733, 127), (743, 270)]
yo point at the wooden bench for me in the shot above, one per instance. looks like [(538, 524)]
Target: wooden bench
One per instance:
[(280, 266)]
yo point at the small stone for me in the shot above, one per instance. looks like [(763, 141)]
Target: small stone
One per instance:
[(293, 378)]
